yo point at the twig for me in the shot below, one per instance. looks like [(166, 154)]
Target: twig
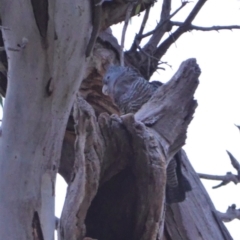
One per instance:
[(128, 15), (161, 62), (229, 177), (152, 57), (231, 214), (163, 22), (137, 39), (161, 50), (148, 55), (234, 163), (238, 126), (212, 28)]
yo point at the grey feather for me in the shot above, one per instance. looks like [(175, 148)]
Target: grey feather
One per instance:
[(128, 89)]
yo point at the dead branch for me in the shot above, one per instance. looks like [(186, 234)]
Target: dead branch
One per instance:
[(155, 115), (238, 126), (141, 61), (161, 50), (234, 163), (140, 35), (136, 41), (127, 18), (115, 11), (231, 214), (164, 21), (212, 28), (162, 27), (229, 177)]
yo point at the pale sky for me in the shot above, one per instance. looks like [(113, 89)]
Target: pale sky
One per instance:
[(212, 130)]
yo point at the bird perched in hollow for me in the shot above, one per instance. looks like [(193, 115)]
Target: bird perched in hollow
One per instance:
[(129, 91)]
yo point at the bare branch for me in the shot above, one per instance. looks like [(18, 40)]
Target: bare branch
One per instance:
[(115, 11), (235, 163), (182, 29), (148, 65), (164, 22), (128, 15), (231, 214), (212, 28), (157, 36), (229, 177), (238, 126), (137, 40)]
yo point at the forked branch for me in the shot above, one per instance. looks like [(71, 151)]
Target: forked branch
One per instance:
[(231, 214), (229, 177)]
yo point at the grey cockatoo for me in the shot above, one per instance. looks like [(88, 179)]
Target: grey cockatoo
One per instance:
[(129, 91)]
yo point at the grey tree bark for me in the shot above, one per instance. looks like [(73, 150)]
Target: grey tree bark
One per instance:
[(114, 166), (42, 50)]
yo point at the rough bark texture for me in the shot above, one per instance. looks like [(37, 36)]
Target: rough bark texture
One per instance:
[(196, 217), (130, 199)]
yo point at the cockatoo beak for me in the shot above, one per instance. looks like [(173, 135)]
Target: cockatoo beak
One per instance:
[(105, 90)]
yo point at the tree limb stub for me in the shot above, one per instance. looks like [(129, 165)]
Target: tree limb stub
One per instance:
[(231, 214), (229, 177), (176, 98)]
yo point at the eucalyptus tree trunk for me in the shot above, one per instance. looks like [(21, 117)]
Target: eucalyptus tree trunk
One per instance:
[(115, 166), (43, 53)]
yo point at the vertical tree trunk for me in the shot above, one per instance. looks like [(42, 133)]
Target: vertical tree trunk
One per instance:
[(44, 48)]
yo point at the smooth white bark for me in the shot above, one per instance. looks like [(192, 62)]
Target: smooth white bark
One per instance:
[(42, 82)]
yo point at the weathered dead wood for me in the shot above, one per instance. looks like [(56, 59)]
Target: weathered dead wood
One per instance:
[(231, 214), (229, 177), (171, 108), (86, 171), (149, 167), (196, 217), (129, 151), (112, 211)]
